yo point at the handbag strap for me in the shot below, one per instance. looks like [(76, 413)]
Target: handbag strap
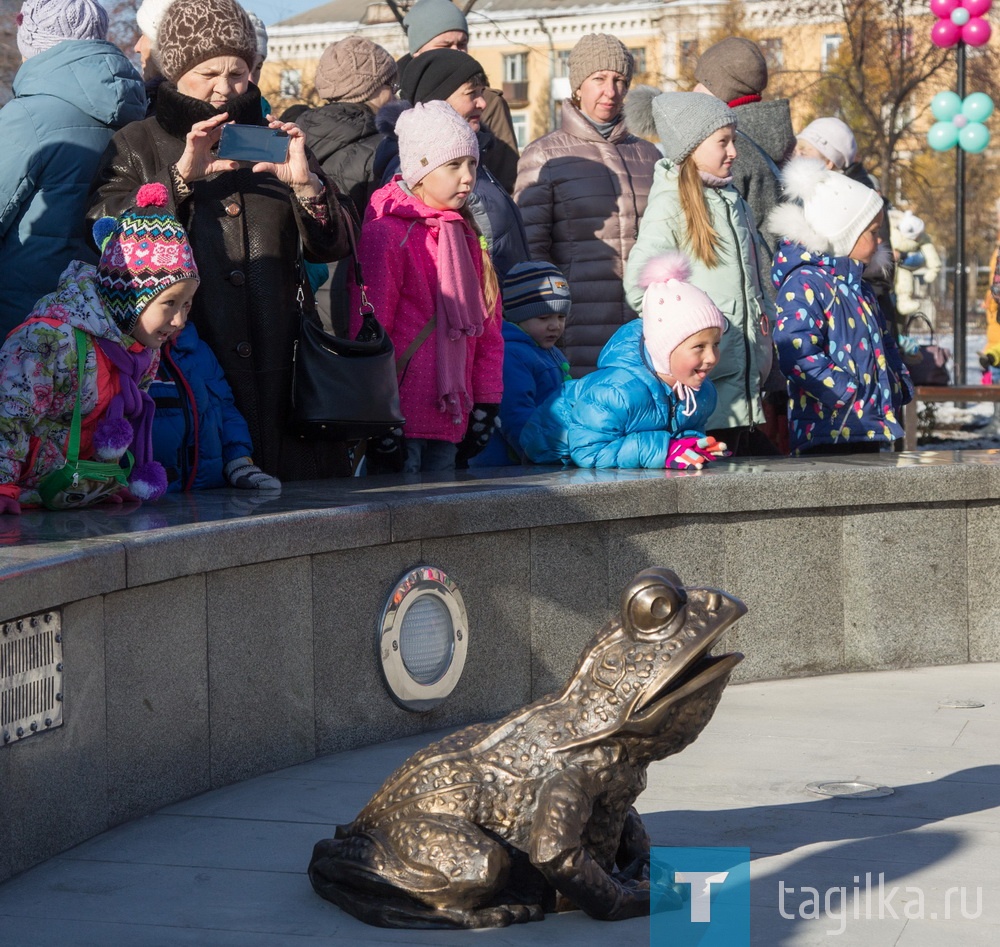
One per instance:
[(411, 349), (918, 316), (73, 445)]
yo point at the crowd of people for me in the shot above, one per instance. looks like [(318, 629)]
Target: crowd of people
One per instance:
[(599, 299)]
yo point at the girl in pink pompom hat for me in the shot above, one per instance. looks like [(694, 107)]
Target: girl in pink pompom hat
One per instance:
[(649, 400)]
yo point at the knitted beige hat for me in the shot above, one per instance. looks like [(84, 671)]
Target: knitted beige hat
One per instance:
[(194, 31), (595, 53), (353, 70)]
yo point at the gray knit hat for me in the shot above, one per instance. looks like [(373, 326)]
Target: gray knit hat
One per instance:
[(42, 24), (194, 31), (260, 30), (732, 68), (430, 18), (534, 289), (353, 70), (596, 52), (685, 119)]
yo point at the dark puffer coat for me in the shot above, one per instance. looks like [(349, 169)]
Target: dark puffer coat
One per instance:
[(244, 229), (582, 197), (343, 137)]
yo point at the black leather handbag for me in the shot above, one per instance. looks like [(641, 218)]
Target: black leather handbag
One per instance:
[(344, 389), (929, 365)]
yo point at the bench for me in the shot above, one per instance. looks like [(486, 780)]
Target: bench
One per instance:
[(942, 393)]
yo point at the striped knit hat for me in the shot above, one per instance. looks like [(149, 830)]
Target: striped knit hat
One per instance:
[(142, 253), (534, 289)]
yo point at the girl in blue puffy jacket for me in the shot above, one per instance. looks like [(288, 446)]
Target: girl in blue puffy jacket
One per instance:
[(650, 398)]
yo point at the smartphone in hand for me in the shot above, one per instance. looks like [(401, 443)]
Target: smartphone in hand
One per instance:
[(253, 143)]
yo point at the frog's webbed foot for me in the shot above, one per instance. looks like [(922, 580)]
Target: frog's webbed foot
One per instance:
[(430, 871)]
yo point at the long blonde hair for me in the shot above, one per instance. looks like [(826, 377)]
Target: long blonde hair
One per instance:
[(490, 284), (703, 240)]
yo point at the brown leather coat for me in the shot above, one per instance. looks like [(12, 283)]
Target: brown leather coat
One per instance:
[(581, 198), (244, 229)]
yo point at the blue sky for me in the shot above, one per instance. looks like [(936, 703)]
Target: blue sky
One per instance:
[(273, 11)]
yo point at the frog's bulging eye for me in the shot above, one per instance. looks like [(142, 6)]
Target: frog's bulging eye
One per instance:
[(655, 606)]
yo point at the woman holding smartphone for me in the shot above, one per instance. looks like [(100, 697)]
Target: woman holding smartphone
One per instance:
[(245, 221)]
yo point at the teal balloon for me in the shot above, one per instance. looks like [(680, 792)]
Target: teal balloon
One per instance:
[(974, 138), (945, 106), (977, 107), (943, 135)]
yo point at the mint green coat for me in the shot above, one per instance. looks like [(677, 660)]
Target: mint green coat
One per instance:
[(736, 285)]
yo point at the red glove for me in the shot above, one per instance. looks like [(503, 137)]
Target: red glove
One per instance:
[(9, 505), (688, 452)]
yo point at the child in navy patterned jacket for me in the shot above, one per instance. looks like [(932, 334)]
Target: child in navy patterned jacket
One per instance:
[(846, 379)]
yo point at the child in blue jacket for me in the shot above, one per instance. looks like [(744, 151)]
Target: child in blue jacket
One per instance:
[(536, 302), (199, 435), (649, 400), (846, 379)]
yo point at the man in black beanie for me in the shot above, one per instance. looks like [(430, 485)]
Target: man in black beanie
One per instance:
[(439, 24)]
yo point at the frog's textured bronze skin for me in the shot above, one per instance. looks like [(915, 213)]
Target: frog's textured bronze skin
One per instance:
[(501, 822)]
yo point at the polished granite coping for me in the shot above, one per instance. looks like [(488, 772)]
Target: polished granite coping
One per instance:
[(222, 528)]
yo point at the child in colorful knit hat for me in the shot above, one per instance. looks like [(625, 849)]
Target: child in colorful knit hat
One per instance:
[(536, 303), (649, 401), (75, 374)]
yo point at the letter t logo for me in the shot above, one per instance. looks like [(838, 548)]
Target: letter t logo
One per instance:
[(701, 891)]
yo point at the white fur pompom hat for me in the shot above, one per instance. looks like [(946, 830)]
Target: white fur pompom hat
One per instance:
[(673, 309), (823, 210)]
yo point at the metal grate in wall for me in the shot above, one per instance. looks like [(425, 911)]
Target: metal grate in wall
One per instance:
[(31, 672)]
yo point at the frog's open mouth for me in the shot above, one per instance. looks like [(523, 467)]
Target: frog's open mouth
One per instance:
[(695, 677), (689, 673)]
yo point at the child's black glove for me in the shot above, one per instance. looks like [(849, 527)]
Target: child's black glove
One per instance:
[(482, 422), (385, 453)]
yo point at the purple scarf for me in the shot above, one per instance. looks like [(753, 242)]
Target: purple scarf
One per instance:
[(137, 407)]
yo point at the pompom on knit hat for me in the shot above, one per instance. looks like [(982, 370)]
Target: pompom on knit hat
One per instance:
[(824, 210), (143, 251), (42, 24), (149, 16), (683, 120), (353, 70), (534, 289), (436, 74), (430, 135), (673, 309), (833, 139), (732, 69), (193, 31), (429, 18), (597, 52)]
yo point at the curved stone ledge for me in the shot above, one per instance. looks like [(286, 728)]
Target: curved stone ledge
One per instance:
[(208, 639)]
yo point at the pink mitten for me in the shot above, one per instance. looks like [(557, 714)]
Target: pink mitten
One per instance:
[(684, 453), (9, 505), (694, 452)]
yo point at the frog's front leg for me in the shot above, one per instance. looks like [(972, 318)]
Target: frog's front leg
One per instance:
[(565, 806)]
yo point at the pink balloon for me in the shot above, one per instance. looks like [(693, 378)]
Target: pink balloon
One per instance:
[(977, 7), (976, 32), (943, 8), (944, 33)]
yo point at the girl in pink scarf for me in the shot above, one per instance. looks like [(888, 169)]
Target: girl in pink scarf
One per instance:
[(434, 289)]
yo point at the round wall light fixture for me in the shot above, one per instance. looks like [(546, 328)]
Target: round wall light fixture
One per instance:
[(423, 638)]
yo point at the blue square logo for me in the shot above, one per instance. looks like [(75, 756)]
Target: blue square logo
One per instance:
[(699, 897)]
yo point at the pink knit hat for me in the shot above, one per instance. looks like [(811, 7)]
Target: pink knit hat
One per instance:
[(673, 309), (431, 135)]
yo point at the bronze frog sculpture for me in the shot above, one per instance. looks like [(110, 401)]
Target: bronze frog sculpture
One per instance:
[(501, 822)]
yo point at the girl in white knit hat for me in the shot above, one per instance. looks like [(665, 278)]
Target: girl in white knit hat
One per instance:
[(846, 380)]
